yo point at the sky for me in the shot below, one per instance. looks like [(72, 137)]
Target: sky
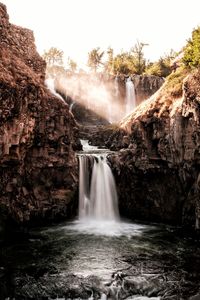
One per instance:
[(78, 26)]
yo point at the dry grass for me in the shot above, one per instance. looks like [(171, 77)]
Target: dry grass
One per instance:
[(174, 83)]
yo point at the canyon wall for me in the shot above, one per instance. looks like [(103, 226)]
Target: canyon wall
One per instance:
[(157, 168), (89, 94), (145, 86), (38, 168)]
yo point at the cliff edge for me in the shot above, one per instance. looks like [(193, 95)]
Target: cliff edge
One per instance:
[(38, 168), (157, 168)]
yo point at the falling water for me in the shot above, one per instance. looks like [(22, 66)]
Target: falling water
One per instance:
[(85, 161), (116, 86), (103, 195), (130, 96), (97, 190), (50, 83), (71, 106)]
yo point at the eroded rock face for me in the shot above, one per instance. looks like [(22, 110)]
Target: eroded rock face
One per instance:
[(146, 85), (157, 169), (38, 168)]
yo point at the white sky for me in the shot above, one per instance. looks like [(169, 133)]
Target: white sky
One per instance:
[(77, 26)]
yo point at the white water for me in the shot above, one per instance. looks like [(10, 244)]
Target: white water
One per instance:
[(130, 96), (88, 148), (71, 106), (97, 192), (51, 86), (116, 85), (103, 194), (97, 189)]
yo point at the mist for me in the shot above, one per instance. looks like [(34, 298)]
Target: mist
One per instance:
[(95, 92)]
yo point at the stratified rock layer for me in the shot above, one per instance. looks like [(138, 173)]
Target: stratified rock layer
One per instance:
[(157, 168), (38, 168)]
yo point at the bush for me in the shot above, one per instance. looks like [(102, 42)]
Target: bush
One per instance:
[(191, 56), (174, 82), (160, 68)]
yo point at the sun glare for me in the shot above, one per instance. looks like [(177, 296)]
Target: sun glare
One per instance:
[(77, 26)]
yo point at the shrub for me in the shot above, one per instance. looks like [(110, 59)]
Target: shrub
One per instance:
[(191, 56)]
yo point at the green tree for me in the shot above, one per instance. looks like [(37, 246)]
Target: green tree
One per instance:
[(159, 68), (162, 67), (95, 58), (122, 64), (139, 62), (191, 56), (53, 56)]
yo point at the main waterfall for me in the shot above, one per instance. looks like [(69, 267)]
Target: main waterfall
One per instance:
[(97, 190)]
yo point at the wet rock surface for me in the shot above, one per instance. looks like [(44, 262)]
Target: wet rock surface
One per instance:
[(38, 168)]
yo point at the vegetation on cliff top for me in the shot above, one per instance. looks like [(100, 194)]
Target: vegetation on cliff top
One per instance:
[(191, 56), (174, 66), (187, 62)]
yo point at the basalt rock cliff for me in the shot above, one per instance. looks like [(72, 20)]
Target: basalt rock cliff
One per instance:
[(157, 168), (145, 86), (38, 168)]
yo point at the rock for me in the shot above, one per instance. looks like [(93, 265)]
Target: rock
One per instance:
[(196, 297), (38, 135), (146, 86), (157, 175)]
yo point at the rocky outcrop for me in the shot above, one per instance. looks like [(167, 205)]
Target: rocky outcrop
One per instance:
[(146, 86), (157, 168), (38, 168)]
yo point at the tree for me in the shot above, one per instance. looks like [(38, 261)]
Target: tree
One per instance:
[(72, 64), (95, 58), (162, 67), (191, 56), (53, 56), (108, 66), (139, 61), (122, 64)]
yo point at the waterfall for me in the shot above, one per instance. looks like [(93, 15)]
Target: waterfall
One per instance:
[(116, 86), (84, 184), (71, 106), (50, 83), (130, 96), (97, 190)]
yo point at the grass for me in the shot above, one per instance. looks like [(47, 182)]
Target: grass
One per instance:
[(174, 82)]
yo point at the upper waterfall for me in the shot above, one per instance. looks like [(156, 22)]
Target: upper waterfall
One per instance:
[(50, 83), (130, 96)]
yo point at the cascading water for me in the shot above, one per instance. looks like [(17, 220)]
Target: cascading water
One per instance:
[(116, 86), (50, 83), (71, 106), (130, 96), (103, 195), (85, 162), (97, 190)]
